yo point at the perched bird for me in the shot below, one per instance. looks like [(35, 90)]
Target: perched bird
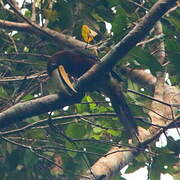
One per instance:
[(68, 63)]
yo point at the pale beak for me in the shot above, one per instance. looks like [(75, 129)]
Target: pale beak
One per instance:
[(62, 80)]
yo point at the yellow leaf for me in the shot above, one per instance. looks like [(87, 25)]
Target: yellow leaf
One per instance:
[(87, 33)]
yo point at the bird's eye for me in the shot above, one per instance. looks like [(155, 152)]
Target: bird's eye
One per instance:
[(53, 65)]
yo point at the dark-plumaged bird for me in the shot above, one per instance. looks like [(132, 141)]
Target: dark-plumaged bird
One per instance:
[(67, 63)]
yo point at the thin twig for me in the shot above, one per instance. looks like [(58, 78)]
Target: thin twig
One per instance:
[(150, 40), (23, 61), (22, 78), (39, 123), (25, 54), (138, 5), (34, 151), (152, 98)]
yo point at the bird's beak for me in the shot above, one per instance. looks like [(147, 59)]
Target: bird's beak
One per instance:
[(62, 80)]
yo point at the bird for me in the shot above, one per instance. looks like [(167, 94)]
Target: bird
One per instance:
[(65, 65)]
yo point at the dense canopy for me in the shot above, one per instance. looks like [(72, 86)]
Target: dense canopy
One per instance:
[(47, 134)]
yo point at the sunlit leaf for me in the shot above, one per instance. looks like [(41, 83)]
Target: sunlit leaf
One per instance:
[(70, 146), (87, 33), (76, 130)]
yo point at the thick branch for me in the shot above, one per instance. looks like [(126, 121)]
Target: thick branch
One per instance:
[(141, 77), (35, 107), (57, 37)]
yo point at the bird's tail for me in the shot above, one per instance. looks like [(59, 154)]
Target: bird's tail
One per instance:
[(114, 91)]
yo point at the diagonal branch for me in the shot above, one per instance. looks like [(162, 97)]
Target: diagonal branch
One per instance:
[(55, 36), (35, 107)]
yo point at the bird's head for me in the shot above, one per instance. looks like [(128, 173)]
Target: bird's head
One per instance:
[(68, 63)]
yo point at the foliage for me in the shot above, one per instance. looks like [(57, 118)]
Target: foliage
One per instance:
[(78, 142)]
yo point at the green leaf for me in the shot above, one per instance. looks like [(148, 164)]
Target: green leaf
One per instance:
[(134, 166), (119, 24), (173, 46), (97, 130), (113, 132), (33, 119), (145, 59), (50, 14), (155, 172), (96, 136), (28, 97), (9, 148), (36, 133), (3, 92), (71, 146), (27, 13), (76, 130), (29, 159), (173, 145), (81, 108), (92, 105)]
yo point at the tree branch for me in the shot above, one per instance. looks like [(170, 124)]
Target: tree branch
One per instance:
[(22, 78), (35, 107), (57, 37)]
